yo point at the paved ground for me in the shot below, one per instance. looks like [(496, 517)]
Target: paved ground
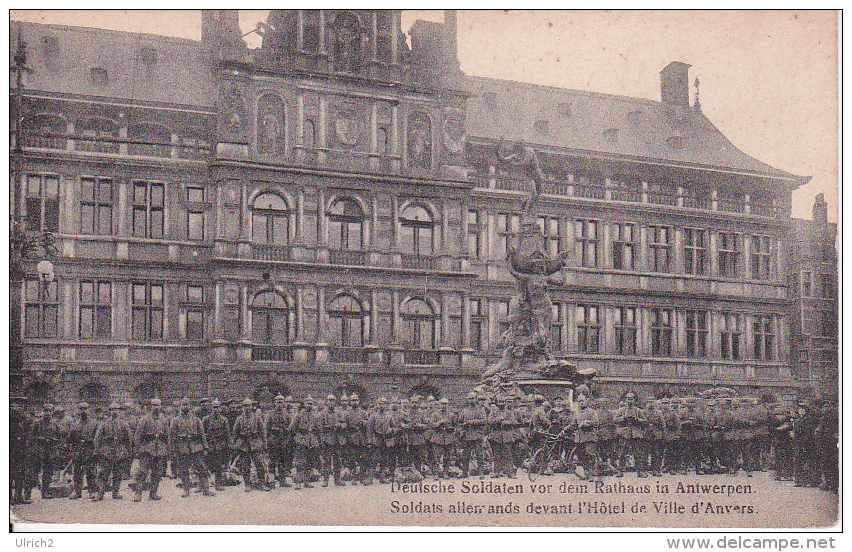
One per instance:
[(563, 503)]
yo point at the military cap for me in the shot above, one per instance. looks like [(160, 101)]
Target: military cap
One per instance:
[(83, 404), (204, 400), (331, 397), (471, 395), (216, 402), (156, 402), (279, 398), (354, 397), (309, 400), (114, 406), (247, 402), (430, 398), (344, 397), (444, 400), (289, 398)]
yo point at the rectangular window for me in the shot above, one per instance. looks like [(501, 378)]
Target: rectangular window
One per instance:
[(148, 209), (587, 241), (549, 226), (588, 329), (729, 245), (807, 283), (477, 323), (474, 234), (730, 333), (148, 309), (507, 226), (761, 258), (826, 283), (661, 332), (95, 309), (623, 246), (195, 225), (96, 198), (43, 202), (660, 248), (764, 339), (696, 333), (194, 313), (41, 309), (194, 194), (828, 323), (556, 328), (694, 251), (625, 330)]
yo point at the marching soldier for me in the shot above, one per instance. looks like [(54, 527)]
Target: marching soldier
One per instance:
[(473, 421), (277, 426), (217, 429), (19, 429), (655, 431), (631, 423), (304, 426), (188, 443), (113, 444), (45, 438), (152, 445), (249, 441)]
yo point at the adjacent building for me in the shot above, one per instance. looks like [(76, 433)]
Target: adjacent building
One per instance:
[(326, 213)]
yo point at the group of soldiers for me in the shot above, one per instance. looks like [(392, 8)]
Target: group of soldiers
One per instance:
[(296, 443)]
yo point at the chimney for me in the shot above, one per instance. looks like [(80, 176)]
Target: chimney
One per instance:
[(674, 84), (820, 210), (450, 40)]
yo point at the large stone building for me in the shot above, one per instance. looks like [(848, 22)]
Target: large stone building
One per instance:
[(327, 212), (814, 293)]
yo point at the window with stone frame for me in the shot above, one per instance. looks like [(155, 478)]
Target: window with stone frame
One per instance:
[(764, 337), (477, 323), (96, 204), (807, 283), (508, 225), (474, 234), (694, 251), (148, 209), (586, 232), (588, 328), (729, 247), (194, 304), (95, 309), (42, 202), (41, 309), (662, 331), (730, 333), (660, 241), (556, 328), (696, 333), (761, 257), (623, 245), (549, 226), (148, 311), (626, 330)]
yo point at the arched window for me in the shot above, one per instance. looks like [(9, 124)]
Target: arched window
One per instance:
[(347, 43), (346, 322), (417, 231), (346, 226), (270, 220), (97, 127), (270, 319), (420, 325), (149, 139), (44, 130)]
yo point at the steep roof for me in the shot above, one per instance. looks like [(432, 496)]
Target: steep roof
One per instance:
[(617, 125), (62, 58)]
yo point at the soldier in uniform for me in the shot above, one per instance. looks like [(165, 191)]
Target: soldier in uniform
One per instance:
[(714, 426), (584, 425), (501, 421), (737, 435), (655, 432), (606, 435), (277, 426), (381, 427), (88, 459), (304, 426), (45, 438), (65, 424), (691, 435), (113, 442), (419, 425), (442, 425), (152, 444), (329, 457), (631, 424), (356, 441), (473, 421), (671, 454), (19, 430), (827, 433), (249, 441), (188, 443), (803, 447), (217, 429), (399, 413)]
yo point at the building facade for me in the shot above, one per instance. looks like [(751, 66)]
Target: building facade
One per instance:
[(813, 278), (327, 213)]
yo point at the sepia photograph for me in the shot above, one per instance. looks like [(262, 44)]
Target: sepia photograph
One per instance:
[(424, 269)]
